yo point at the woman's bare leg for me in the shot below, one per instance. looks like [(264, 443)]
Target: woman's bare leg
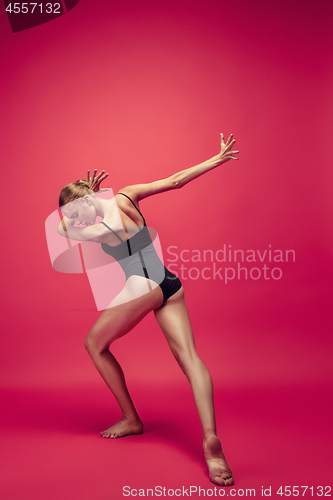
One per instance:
[(175, 323), (133, 303)]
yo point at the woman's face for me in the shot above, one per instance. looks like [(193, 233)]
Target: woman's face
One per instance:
[(82, 211)]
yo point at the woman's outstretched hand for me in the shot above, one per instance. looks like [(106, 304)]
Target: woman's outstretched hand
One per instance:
[(226, 154), (96, 179)]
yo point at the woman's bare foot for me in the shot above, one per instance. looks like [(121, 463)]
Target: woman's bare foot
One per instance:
[(123, 428), (219, 472)]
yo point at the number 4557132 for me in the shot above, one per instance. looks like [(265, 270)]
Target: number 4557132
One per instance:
[(319, 491), (30, 7)]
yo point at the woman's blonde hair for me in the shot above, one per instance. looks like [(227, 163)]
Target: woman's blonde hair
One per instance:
[(73, 191)]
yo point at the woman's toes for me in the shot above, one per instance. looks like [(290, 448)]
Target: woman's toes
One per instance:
[(217, 478), (105, 434)]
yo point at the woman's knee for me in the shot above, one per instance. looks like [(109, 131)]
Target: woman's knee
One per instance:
[(89, 344), (187, 359), (92, 344), (190, 363)]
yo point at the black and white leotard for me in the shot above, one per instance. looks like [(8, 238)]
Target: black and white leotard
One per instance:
[(137, 256)]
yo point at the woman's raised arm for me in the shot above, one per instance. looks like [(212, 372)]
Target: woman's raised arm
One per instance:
[(140, 191)]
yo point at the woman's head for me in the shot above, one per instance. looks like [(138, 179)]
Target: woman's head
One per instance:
[(77, 202), (74, 191)]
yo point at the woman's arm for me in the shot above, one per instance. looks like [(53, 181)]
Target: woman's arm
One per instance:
[(91, 233), (140, 191)]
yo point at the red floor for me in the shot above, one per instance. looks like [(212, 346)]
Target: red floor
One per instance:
[(51, 449)]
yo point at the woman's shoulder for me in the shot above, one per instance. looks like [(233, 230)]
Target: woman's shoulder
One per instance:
[(129, 192), (129, 204), (126, 197)]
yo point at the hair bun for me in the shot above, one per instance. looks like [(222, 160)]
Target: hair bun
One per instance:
[(82, 182)]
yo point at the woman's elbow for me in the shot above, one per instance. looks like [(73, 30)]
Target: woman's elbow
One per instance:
[(176, 182)]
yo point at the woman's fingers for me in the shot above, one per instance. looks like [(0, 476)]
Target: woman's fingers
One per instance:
[(99, 175), (96, 179), (229, 146), (103, 177), (230, 155), (229, 140), (226, 146), (93, 177), (226, 153)]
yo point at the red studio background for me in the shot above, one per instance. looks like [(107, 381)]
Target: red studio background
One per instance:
[(142, 90)]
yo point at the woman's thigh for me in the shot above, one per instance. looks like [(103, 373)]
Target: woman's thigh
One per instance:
[(175, 323), (131, 305)]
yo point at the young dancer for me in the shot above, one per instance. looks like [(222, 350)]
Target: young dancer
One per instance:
[(149, 286)]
